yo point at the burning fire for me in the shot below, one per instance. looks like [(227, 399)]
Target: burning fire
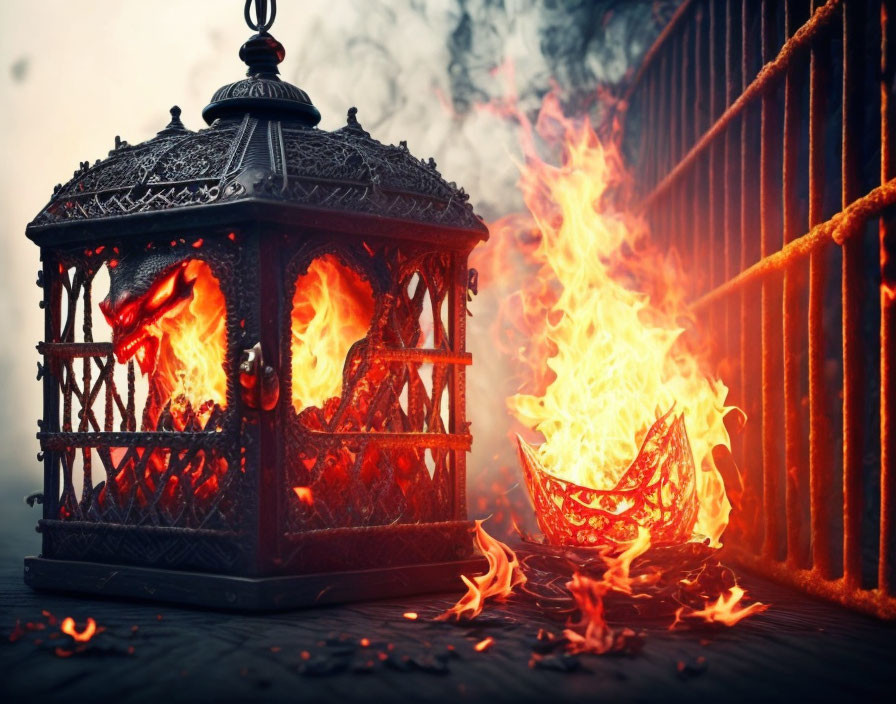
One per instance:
[(331, 310), (725, 610), (190, 369), (601, 322), (503, 575), (591, 633), (177, 332)]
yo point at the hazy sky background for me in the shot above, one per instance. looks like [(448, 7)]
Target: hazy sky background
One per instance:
[(73, 75)]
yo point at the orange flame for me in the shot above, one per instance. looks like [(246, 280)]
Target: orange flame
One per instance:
[(68, 627), (591, 633), (503, 575), (190, 370), (331, 310), (725, 610), (602, 321)]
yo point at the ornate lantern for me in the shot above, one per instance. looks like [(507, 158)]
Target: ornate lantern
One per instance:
[(264, 406)]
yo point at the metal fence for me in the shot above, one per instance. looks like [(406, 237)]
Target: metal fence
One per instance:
[(763, 137)]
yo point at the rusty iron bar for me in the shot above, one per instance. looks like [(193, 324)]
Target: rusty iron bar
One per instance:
[(710, 242), (770, 73), (747, 309), (730, 149), (821, 470), (687, 131), (839, 229), (697, 185), (793, 337), (422, 356), (770, 232), (852, 273), (887, 236), (677, 142), (657, 46)]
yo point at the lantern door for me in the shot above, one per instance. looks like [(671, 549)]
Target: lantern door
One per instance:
[(370, 436)]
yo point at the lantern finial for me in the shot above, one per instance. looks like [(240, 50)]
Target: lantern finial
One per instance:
[(262, 93)]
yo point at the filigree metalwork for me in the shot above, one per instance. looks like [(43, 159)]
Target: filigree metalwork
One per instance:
[(345, 170), (214, 489)]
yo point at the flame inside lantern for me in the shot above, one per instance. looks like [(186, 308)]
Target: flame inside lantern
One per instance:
[(190, 369), (331, 310), (602, 318)]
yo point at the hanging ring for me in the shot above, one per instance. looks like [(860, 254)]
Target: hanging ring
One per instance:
[(262, 22)]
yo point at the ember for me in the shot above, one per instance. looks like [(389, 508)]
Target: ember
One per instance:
[(68, 627), (484, 644)]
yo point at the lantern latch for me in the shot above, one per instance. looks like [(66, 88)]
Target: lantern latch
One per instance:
[(259, 384)]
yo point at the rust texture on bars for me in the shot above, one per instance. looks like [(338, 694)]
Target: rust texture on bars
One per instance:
[(777, 186)]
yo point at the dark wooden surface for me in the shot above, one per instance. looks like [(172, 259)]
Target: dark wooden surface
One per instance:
[(799, 650)]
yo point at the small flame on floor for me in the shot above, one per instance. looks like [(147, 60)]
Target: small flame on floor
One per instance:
[(725, 610), (503, 575), (591, 633)]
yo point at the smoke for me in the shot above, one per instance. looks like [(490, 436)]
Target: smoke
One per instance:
[(417, 70)]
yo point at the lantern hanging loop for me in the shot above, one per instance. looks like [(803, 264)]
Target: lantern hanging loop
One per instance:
[(262, 22)]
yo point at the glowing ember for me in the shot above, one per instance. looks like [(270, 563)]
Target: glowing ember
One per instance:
[(503, 575), (484, 644), (656, 492), (725, 610), (304, 494), (411, 615), (68, 627), (331, 310), (602, 321)]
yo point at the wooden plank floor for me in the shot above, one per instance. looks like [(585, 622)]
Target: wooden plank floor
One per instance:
[(798, 650)]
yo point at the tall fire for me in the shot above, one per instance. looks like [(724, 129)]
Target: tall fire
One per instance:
[(616, 391), (613, 383)]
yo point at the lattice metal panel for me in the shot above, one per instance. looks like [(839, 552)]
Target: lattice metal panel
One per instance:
[(395, 435), (107, 464)]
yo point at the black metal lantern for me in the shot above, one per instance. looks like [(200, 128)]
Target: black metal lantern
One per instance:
[(207, 450)]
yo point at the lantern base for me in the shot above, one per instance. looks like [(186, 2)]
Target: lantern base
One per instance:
[(219, 591)]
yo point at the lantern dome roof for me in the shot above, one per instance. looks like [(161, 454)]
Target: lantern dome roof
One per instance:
[(262, 146)]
